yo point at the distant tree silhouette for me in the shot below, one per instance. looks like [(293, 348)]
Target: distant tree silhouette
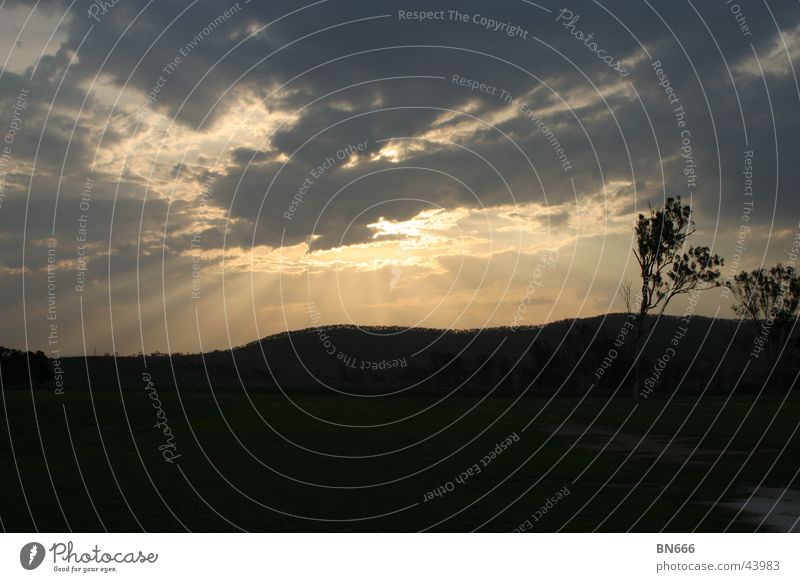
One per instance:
[(770, 299), (20, 367), (535, 367), (668, 267), (485, 369), (446, 369)]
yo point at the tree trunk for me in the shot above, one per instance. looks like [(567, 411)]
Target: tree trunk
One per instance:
[(636, 369)]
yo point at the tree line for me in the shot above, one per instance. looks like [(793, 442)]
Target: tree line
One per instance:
[(22, 368)]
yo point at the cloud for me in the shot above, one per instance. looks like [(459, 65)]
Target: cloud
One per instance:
[(249, 127)]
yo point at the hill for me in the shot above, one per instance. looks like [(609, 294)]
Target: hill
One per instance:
[(565, 356)]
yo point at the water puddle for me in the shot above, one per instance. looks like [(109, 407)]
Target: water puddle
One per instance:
[(779, 509)]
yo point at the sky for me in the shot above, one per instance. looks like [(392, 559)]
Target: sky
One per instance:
[(186, 176)]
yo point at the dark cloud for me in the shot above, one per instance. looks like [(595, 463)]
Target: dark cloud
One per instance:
[(354, 73)]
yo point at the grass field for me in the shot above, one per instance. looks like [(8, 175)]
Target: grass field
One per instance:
[(262, 463)]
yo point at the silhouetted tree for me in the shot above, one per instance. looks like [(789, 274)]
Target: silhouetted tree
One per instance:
[(20, 367), (770, 299), (535, 365), (668, 267), (485, 368), (446, 369)]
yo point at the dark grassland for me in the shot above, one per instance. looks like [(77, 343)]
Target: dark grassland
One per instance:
[(238, 468)]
